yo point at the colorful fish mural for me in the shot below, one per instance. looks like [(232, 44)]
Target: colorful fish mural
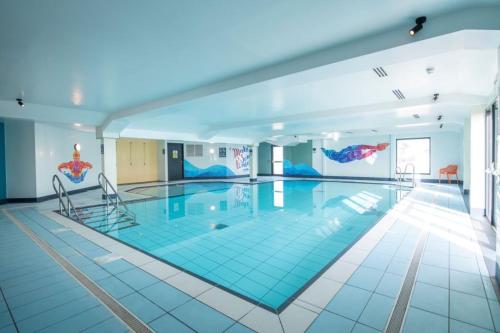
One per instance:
[(354, 152), (75, 170)]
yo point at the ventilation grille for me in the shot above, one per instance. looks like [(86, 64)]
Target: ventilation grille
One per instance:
[(399, 94), (194, 150), (380, 71)]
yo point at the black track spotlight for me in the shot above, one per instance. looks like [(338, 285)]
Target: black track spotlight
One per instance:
[(441, 126), (440, 117), (435, 97), (419, 25), (20, 102)]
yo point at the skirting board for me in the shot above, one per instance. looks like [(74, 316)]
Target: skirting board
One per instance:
[(47, 197)]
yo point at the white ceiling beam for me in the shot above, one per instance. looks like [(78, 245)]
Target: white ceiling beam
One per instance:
[(352, 112)]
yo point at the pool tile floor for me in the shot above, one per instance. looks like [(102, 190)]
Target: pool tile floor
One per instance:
[(452, 292)]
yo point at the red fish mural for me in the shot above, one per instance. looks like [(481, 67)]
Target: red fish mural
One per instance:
[(75, 170)]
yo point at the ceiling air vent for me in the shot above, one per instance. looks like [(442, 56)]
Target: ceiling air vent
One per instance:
[(380, 71), (399, 94)]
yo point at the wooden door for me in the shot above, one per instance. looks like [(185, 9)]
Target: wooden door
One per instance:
[(136, 161)]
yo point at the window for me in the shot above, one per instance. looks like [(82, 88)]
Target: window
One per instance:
[(414, 151), (277, 160)]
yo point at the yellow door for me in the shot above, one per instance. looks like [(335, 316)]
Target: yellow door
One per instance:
[(136, 161)]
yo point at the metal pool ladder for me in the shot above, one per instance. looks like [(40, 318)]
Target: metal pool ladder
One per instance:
[(112, 197), (65, 208), (401, 176)]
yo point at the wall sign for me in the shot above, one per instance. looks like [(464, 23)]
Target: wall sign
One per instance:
[(222, 152), (75, 170), (175, 154)]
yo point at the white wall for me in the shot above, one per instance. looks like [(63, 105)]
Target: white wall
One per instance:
[(54, 145), (446, 148), (20, 159)]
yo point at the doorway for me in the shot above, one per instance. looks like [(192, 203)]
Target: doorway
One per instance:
[(277, 159), (175, 161)]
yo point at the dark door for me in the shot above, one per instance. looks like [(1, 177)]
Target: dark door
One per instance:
[(175, 161)]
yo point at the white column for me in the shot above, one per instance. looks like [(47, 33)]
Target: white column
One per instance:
[(162, 161), (254, 162), (108, 160), (477, 163)]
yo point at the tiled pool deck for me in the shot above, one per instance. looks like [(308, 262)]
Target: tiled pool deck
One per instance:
[(452, 291)]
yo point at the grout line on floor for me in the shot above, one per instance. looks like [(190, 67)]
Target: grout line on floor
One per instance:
[(116, 308), (396, 319)]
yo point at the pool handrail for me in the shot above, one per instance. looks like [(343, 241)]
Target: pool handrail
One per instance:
[(64, 209)]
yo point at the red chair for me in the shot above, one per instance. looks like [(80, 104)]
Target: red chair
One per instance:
[(451, 169)]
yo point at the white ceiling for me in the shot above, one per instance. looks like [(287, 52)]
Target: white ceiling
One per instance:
[(80, 61)]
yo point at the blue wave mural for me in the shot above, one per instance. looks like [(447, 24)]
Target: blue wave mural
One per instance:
[(217, 170), (289, 169)]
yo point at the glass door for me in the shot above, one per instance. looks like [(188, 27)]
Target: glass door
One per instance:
[(490, 163), (277, 160)]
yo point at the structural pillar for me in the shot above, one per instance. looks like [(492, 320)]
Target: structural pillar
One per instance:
[(254, 162), (108, 160)]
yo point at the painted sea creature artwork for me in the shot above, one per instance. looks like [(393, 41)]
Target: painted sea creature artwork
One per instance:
[(76, 169), (354, 152)]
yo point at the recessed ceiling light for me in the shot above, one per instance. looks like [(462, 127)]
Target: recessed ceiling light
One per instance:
[(77, 125), (334, 135), (374, 130), (278, 126)]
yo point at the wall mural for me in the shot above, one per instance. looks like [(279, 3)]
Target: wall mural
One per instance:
[(354, 152), (75, 170), (216, 170), (241, 157), (231, 161), (290, 169)]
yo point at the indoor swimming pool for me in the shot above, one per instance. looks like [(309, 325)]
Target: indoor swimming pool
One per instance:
[(264, 242)]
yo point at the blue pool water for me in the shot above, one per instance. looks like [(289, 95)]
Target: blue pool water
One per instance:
[(264, 242)]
